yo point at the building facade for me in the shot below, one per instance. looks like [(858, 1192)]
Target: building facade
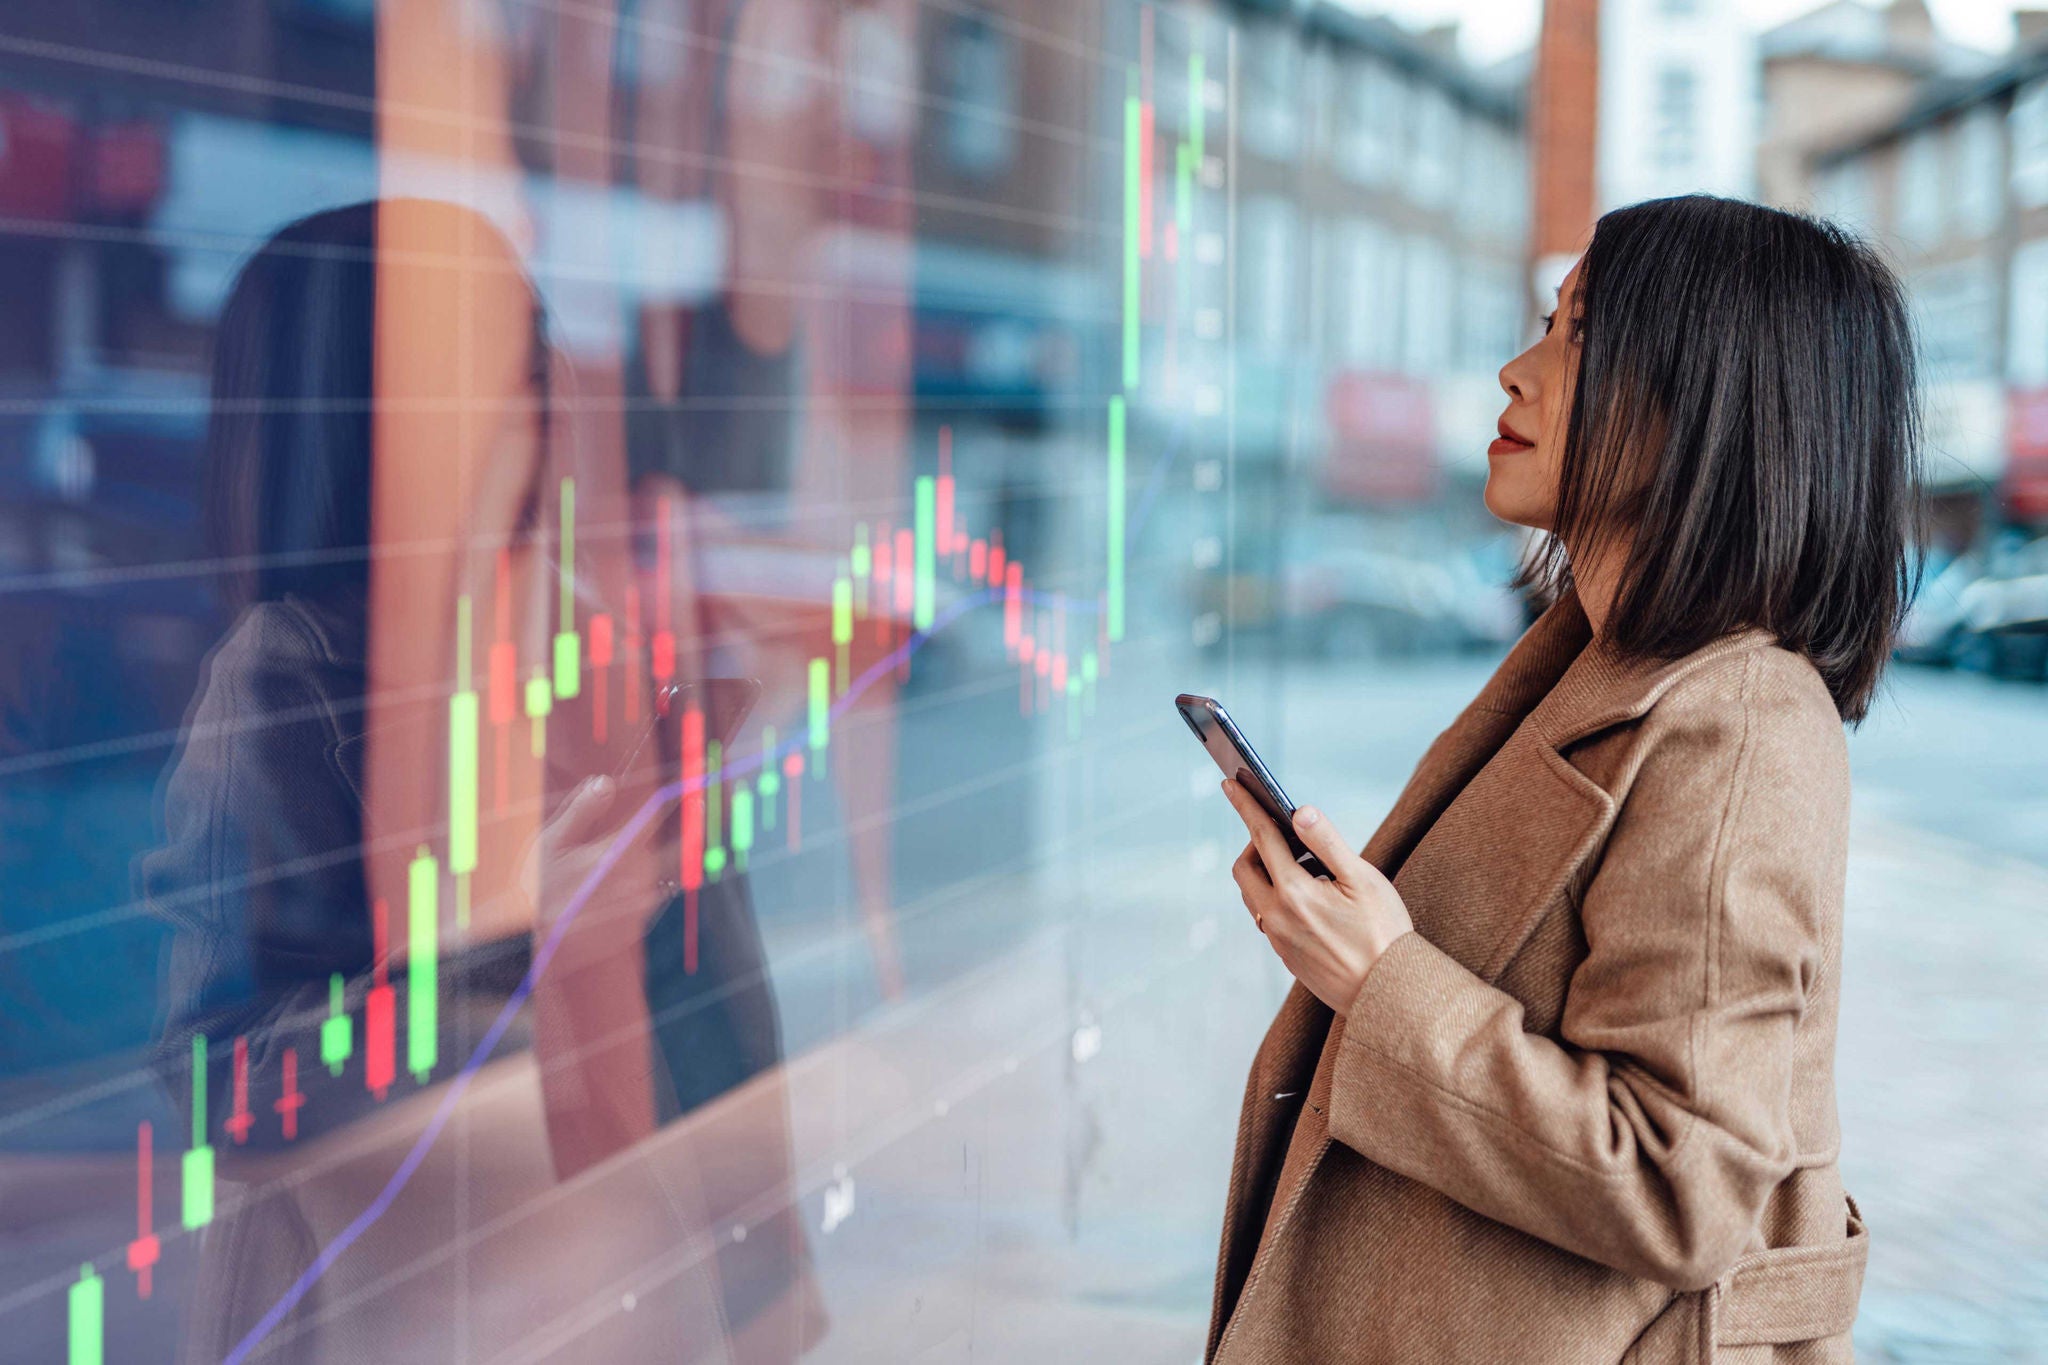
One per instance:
[(1678, 100), (1955, 190)]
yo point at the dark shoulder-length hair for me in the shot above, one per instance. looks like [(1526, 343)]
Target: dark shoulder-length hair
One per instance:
[(288, 457), (1746, 412)]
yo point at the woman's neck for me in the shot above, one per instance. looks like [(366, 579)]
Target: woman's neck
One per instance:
[(1596, 577)]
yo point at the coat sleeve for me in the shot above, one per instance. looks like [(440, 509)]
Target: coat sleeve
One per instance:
[(1650, 1133)]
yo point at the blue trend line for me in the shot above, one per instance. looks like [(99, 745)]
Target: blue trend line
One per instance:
[(632, 829)]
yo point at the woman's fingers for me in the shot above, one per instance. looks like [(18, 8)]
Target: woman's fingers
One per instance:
[(1314, 829), (1249, 872), (1266, 835)]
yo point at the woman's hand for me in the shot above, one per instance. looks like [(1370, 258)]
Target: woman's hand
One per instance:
[(1328, 931)]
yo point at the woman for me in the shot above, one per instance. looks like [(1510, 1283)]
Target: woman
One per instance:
[(1555, 1081)]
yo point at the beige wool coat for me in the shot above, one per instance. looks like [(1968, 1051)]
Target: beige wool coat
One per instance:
[(1586, 1111)]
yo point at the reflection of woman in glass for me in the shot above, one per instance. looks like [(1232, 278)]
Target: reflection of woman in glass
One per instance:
[(262, 876), (267, 874), (1562, 1089)]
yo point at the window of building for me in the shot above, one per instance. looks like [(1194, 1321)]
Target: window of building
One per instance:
[(980, 74), (1919, 210), (1511, 193), (1979, 174), (1365, 315), (1489, 314), (2029, 125), (2026, 339), (1265, 272), (1955, 304), (1843, 193), (1373, 101), (1673, 142), (1434, 174), (1428, 287), (1272, 67)]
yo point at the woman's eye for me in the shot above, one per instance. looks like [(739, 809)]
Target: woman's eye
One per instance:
[(1548, 318)]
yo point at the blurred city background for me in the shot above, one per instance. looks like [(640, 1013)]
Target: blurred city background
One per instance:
[(1260, 261)]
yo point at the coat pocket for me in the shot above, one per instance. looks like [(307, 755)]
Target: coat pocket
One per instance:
[(1793, 1294)]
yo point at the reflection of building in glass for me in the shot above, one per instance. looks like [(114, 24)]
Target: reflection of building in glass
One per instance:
[(1381, 232)]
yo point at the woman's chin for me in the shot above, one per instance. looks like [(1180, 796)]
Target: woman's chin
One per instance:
[(1506, 503)]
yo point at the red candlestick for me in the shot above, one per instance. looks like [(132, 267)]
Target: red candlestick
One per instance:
[(1013, 606), (380, 1009), (238, 1122), (600, 662), (793, 783), (289, 1103), (664, 589), (944, 519), (692, 817), (632, 649), (142, 1252)]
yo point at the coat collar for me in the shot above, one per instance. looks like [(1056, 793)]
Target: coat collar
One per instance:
[(1558, 681), (1572, 685)]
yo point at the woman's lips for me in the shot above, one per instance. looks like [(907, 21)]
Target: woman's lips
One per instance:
[(1507, 443)]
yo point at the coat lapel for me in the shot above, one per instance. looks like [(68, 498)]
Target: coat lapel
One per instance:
[(1528, 674)]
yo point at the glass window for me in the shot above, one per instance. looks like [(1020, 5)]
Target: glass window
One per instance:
[(2026, 354), (1844, 193), (1366, 315), (2029, 125), (1672, 143), (1434, 173), (1978, 158), (1386, 111), (1267, 278), (1920, 210), (1489, 314), (981, 82), (1955, 303), (1428, 292), (1272, 70), (588, 590)]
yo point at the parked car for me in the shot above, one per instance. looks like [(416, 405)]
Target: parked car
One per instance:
[(2007, 624), (1936, 623), (1343, 597)]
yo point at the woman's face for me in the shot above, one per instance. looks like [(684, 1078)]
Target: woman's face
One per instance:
[(1522, 465)]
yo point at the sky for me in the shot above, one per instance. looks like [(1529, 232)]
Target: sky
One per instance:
[(1491, 29)]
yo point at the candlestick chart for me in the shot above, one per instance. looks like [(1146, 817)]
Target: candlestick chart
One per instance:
[(517, 996)]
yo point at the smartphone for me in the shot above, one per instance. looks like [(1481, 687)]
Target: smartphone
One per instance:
[(726, 703), (1234, 754)]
